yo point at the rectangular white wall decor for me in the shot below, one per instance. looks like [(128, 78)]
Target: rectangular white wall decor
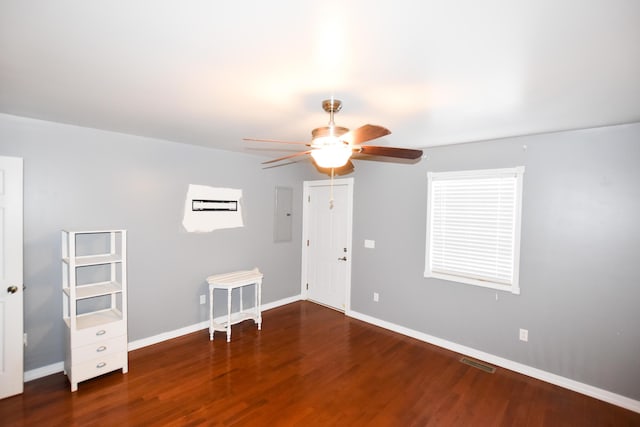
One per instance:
[(208, 208)]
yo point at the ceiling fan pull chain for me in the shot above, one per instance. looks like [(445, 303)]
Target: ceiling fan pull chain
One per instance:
[(331, 190)]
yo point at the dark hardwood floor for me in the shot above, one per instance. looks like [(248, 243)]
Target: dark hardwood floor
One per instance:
[(308, 366)]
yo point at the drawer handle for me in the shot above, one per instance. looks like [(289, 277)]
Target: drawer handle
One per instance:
[(101, 348), (101, 332), (101, 365)]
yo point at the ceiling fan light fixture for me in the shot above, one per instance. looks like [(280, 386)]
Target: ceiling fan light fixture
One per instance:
[(331, 156)]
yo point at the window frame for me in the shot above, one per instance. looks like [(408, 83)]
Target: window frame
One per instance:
[(514, 285)]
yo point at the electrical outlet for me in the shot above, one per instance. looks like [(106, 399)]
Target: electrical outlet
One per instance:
[(203, 299), (24, 339), (370, 244), (376, 297), (524, 335)]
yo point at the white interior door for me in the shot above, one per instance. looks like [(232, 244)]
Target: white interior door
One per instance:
[(11, 321), (327, 220)]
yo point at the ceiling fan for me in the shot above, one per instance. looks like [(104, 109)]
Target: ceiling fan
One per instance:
[(332, 146)]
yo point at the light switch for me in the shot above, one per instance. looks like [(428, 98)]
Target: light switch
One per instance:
[(370, 244)]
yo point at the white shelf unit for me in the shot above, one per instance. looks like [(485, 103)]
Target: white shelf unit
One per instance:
[(94, 303)]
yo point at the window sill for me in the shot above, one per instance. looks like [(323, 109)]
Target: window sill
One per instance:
[(513, 289)]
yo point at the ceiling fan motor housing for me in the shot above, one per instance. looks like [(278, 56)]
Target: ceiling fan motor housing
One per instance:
[(328, 131)]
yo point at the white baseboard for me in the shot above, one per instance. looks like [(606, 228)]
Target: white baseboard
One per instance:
[(44, 371), (144, 342), (281, 302), (586, 389), (134, 345)]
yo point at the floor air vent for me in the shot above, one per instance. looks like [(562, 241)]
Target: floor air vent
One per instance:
[(478, 364)]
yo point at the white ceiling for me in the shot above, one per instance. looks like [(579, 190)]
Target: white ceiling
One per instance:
[(210, 72)]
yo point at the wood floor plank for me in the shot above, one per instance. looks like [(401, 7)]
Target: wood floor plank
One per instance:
[(309, 366)]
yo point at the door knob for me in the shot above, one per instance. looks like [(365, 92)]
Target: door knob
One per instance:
[(344, 258), (12, 289)]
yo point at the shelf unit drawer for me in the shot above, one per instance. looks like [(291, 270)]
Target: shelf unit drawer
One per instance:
[(97, 334), (98, 366), (99, 349)]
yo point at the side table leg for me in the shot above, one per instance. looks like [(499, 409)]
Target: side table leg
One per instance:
[(210, 314), (258, 303), (229, 315)]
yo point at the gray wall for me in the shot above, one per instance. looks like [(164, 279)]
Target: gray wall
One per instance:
[(580, 241), (580, 249), (79, 178)]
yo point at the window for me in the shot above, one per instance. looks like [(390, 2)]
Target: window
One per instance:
[(473, 227)]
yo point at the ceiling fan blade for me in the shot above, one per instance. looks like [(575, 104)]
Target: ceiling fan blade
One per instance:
[(401, 153), (287, 157), (276, 141), (364, 133)]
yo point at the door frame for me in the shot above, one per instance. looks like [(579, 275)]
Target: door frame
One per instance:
[(348, 182)]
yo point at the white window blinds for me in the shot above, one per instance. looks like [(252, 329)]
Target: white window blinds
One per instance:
[(473, 227)]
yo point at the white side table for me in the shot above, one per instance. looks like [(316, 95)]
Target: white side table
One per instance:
[(231, 281)]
